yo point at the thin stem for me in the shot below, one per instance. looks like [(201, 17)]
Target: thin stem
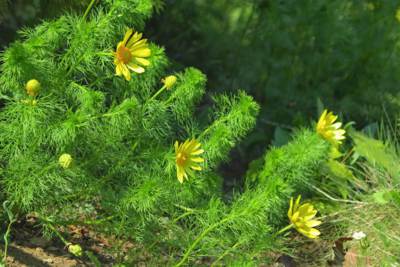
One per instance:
[(6, 236), (184, 208), (336, 199), (201, 236), (225, 253), (11, 219), (88, 9), (158, 92), (183, 216), (290, 226), (50, 225)]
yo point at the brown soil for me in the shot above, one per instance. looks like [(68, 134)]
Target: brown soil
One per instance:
[(22, 256), (28, 247)]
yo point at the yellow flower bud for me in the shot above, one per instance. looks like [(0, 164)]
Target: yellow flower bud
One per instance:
[(75, 250), (65, 160), (169, 81), (32, 87)]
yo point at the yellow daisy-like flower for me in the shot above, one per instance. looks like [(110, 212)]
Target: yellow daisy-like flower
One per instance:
[(301, 217), (187, 157), (330, 130), (131, 54)]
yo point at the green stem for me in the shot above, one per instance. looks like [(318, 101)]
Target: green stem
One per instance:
[(201, 236), (225, 253), (158, 92), (6, 236), (88, 9), (290, 226), (104, 53), (52, 228), (11, 219), (184, 208), (183, 216)]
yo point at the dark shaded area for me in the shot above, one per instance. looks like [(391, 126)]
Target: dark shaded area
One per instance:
[(293, 57), (18, 14)]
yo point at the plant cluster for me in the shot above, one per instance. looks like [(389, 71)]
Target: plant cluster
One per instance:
[(98, 129)]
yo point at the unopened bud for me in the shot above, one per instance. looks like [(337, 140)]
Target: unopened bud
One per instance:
[(32, 87), (65, 160), (75, 250), (169, 81)]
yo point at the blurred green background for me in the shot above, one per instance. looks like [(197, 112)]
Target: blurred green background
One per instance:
[(294, 57)]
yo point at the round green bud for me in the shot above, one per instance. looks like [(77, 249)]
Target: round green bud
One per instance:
[(65, 160), (75, 250), (32, 87), (169, 81)]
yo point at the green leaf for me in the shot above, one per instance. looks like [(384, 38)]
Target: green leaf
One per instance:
[(377, 153), (281, 137), (380, 197)]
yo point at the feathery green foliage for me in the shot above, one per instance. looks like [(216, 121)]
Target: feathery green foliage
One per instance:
[(246, 226), (120, 136)]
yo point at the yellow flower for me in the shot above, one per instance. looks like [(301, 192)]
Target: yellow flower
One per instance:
[(330, 130), (65, 160), (32, 87), (301, 217), (131, 54), (169, 81), (186, 156), (75, 250), (398, 14)]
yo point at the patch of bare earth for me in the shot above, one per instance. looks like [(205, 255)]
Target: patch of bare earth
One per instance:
[(29, 248)]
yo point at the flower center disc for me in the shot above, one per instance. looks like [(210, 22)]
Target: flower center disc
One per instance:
[(124, 54), (180, 159)]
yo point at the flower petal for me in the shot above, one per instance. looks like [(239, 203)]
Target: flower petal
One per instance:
[(198, 160), (135, 68), (143, 52), (126, 72), (142, 61), (197, 168), (128, 34)]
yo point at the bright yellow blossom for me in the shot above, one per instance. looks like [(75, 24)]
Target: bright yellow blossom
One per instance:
[(130, 55), (330, 130), (187, 157), (32, 87), (301, 218), (65, 160), (169, 81)]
